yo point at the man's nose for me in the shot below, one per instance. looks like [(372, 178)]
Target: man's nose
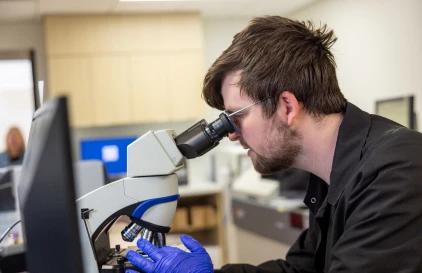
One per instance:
[(234, 136)]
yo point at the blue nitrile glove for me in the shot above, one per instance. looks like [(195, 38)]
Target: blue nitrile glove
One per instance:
[(171, 259)]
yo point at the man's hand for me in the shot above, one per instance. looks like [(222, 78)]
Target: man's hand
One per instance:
[(170, 259)]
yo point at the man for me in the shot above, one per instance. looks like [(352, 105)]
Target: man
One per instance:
[(365, 190)]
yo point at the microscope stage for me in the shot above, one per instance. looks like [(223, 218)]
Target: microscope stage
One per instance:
[(117, 262)]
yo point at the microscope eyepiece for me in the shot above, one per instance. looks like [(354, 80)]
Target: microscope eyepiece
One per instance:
[(220, 127), (203, 136)]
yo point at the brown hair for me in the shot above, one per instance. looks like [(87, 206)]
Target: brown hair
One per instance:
[(276, 54)]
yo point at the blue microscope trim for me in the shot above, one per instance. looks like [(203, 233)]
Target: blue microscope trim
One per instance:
[(140, 210)]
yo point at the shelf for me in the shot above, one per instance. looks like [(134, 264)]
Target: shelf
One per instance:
[(193, 229)]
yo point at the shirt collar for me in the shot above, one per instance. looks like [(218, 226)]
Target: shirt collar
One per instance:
[(351, 138), (315, 193)]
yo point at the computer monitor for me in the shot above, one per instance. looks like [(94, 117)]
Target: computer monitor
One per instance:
[(7, 200), (400, 110), (47, 196), (111, 151)]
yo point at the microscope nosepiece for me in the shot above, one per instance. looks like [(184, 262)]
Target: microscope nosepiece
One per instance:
[(131, 232)]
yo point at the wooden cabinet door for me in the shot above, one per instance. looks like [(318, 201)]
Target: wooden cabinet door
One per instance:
[(127, 69), (110, 88), (150, 97), (185, 76), (70, 77), (181, 32)]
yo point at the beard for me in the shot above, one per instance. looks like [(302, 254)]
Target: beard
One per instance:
[(283, 147)]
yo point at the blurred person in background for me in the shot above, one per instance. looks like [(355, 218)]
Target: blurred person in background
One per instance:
[(15, 149)]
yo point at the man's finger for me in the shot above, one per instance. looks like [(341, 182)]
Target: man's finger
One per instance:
[(151, 250), (192, 244), (131, 271), (140, 261)]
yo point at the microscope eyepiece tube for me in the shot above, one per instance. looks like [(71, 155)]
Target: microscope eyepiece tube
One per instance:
[(220, 127), (203, 136)]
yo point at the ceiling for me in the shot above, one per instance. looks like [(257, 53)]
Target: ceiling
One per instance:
[(19, 10)]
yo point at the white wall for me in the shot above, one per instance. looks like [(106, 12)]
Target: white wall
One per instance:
[(20, 37), (16, 97), (25, 36), (378, 51), (218, 36)]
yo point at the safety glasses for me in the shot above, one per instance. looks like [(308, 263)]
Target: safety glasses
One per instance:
[(235, 117)]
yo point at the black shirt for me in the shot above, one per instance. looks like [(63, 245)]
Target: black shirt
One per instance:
[(370, 218)]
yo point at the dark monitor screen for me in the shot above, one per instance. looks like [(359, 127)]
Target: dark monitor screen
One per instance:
[(7, 200), (47, 196)]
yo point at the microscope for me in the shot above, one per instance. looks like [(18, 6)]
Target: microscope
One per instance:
[(148, 195)]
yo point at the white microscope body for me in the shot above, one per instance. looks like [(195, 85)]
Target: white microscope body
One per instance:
[(149, 193)]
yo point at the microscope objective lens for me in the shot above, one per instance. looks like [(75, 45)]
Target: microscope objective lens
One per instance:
[(147, 234), (159, 239), (131, 232)]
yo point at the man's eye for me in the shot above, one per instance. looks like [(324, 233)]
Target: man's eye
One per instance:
[(237, 119)]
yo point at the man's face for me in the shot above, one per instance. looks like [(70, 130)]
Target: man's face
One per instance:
[(272, 144)]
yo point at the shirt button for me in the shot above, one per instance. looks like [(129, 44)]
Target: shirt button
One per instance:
[(313, 200)]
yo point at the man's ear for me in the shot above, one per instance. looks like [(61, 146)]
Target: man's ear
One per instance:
[(288, 107)]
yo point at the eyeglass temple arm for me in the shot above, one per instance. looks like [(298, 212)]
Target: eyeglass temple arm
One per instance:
[(244, 108)]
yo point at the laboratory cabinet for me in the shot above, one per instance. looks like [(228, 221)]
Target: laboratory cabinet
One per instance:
[(167, 86), (269, 230), (70, 77), (200, 213), (126, 69), (265, 220)]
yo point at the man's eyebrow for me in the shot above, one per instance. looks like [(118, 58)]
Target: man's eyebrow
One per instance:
[(230, 110)]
